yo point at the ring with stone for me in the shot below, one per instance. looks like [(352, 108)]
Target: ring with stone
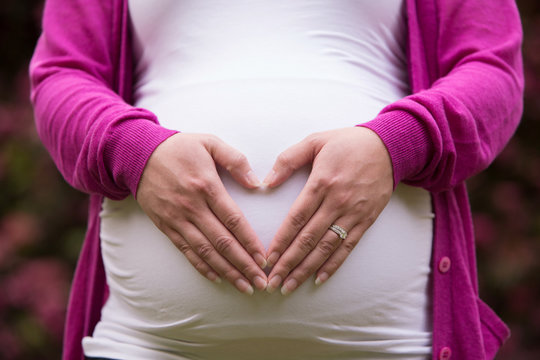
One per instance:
[(341, 232)]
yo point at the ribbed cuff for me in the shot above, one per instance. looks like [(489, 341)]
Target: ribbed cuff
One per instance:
[(129, 147), (406, 139)]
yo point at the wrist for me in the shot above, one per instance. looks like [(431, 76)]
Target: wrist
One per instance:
[(130, 145), (406, 141)]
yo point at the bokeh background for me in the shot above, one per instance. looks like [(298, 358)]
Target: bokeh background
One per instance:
[(42, 220)]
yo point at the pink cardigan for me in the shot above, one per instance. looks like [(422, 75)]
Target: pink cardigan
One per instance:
[(466, 77)]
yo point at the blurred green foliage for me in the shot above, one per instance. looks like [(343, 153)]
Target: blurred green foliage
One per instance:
[(42, 220)]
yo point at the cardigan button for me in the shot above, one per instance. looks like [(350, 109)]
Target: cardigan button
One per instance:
[(445, 353), (444, 264)]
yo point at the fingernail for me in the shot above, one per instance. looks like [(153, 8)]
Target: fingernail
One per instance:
[(244, 286), (260, 260), (260, 283), (321, 278), (253, 179), (289, 287), (272, 259), (269, 179), (212, 276), (273, 284)]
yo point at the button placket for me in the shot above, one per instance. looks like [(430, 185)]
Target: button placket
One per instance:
[(444, 264), (445, 353)]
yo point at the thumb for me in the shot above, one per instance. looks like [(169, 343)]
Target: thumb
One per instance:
[(289, 161), (234, 162)]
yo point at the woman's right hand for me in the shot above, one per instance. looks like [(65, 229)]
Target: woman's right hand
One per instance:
[(182, 193)]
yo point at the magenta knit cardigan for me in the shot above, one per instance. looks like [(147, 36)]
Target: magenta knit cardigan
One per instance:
[(466, 77)]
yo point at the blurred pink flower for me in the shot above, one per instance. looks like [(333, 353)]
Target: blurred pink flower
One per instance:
[(10, 346), (17, 230), (41, 286), (16, 119)]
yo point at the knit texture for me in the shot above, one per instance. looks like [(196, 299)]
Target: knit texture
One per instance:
[(467, 82)]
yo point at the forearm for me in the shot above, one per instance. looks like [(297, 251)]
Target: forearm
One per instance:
[(99, 142), (440, 136)]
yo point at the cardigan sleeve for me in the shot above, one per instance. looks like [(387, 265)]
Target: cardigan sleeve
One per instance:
[(454, 127), (98, 141)]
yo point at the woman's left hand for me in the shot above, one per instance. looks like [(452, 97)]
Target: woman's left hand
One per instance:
[(351, 182)]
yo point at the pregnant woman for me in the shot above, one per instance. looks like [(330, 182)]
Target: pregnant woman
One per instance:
[(363, 119)]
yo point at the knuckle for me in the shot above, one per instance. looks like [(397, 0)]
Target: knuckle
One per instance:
[(341, 199), (198, 184), (348, 246), (327, 247), (284, 160), (223, 244), (160, 222), (307, 241), (184, 248), (210, 140), (287, 266), (205, 251), (312, 188), (211, 190), (370, 219), (248, 270), (301, 273), (331, 266), (238, 159), (313, 138), (231, 274), (323, 183), (298, 220), (204, 187), (233, 221), (201, 267)]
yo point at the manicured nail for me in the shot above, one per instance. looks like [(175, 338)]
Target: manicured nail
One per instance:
[(260, 283), (289, 287), (253, 179), (273, 284), (321, 278), (260, 260), (269, 179), (272, 259), (212, 276), (244, 286)]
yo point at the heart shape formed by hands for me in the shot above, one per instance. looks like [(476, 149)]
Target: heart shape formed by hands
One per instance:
[(348, 185)]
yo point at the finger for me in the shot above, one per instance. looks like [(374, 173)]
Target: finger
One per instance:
[(228, 246), (230, 215), (290, 160), (234, 162), (303, 208), (302, 245), (315, 259), (206, 251), (202, 267), (335, 260)]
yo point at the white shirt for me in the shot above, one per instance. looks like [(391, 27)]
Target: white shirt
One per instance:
[(262, 75)]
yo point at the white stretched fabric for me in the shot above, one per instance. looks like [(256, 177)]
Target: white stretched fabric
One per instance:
[(262, 75)]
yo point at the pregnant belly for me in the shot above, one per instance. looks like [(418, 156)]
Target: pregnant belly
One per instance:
[(378, 294)]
